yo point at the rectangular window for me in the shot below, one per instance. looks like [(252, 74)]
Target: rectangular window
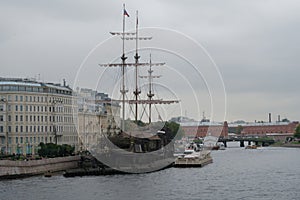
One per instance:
[(38, 109), (21, 118), (46, 118), (16, 118), (27, 129), (9, 118), (21, 129), (21, 140), (42, 118), (26, 98), (30, 98), (9, 107), (46, 128), (26, 140), (30, 108), (21, 98), (38, 99), (1, 108), (9, 129), (17, 129), (1, 129), (38, 118), (17, 140), (30, 118), (34, 139), (16, 107), (9, 140), (34, 118), (21, 108), (16, 99), (26, 118), (30, 128), (1, 118), (26, 108)]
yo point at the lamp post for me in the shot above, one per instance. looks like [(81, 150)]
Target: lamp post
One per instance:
[(6, 124)]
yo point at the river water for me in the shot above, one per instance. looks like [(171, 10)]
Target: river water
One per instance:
[(236, 173)]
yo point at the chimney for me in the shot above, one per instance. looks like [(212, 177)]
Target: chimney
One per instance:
[(270, 120), (278, 118)]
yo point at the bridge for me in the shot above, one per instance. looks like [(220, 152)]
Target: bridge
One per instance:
[(264, 141)]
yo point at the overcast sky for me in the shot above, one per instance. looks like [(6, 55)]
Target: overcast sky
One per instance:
[(254, 43)]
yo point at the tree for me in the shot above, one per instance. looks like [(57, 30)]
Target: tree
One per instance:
[(297, 132), (53, 150), (239, 129), (175, 130), (285, 120)]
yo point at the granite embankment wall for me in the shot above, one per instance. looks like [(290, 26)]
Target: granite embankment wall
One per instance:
[(15, 169)]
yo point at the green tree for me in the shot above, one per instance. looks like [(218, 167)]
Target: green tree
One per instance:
[(285, 120), (297, 132), (175, 130), (53, 150), (239, 129)]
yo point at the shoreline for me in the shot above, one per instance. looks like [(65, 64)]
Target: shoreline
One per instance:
[(21, 169)]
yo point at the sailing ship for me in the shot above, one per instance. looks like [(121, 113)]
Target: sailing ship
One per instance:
[(136, 128), (137, 137)]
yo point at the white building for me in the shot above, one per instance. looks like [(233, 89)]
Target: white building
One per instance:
[(32, 112)]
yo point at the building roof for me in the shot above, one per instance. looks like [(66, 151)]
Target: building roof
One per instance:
[(259, 124), (197, 123), (32, 83)]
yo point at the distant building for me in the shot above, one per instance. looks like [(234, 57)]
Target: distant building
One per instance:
[(32, 112), (204, 128), (267, 128), (97, 116)]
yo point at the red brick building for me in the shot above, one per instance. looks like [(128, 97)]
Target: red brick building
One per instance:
[(201, 129), (267, 128)]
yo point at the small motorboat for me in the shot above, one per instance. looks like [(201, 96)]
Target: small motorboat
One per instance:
[(251, 147)]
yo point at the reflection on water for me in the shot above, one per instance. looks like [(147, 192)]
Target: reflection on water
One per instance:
[(237, 173)]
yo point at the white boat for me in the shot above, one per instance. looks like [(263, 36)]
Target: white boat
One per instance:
[(221, 146), (193, 156)]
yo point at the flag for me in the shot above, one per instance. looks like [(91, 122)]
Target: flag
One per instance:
[(126, 13)]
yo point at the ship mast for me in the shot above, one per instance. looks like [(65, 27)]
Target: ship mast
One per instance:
[(123, 91), (150, 93), (124, 36), (136, 57)]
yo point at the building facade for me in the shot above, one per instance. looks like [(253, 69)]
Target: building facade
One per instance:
[(97, 116), (262, 129), (32, 112), (202, 129)]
